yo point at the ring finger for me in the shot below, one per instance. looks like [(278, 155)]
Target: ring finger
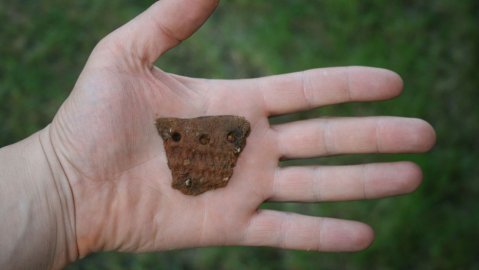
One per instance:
[(337, 183)]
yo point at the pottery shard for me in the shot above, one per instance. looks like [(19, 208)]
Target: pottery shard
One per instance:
[(202, 152)]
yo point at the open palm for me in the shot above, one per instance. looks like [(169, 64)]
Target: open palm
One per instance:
[(113, 157)]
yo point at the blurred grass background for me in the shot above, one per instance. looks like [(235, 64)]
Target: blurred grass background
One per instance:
[(434, 45)]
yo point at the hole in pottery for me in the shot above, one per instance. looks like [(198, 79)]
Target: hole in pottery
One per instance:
[(231, 137), (204, 139), (175, 136)]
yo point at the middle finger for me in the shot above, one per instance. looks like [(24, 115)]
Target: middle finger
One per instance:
[(331, 136)]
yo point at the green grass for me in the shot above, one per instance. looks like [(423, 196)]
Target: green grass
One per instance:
[(434, 45)]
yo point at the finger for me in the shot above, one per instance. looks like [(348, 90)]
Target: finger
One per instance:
[(339, 183), (313, 88), (162, 26), (330, 136), (293, 231)]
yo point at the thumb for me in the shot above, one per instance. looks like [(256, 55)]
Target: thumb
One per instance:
[(161, 27)]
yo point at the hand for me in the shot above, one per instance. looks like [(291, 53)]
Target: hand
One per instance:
[(106, 142)]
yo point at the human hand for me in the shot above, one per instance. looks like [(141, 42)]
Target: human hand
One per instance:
[(106, 142)]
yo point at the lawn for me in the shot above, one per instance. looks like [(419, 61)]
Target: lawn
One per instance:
[(433, 45)]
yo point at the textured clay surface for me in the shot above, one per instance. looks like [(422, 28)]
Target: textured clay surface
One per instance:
[(202, 152)]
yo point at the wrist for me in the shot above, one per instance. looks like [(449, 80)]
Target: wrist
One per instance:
[(37, 202), (62, 203)]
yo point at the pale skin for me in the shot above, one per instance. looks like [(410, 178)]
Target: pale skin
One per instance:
[(96, 178)]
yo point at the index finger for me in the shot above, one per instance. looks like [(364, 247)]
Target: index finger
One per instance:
[(317, 87)]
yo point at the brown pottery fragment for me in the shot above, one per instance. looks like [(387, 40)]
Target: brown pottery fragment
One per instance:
[(202, 152)]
